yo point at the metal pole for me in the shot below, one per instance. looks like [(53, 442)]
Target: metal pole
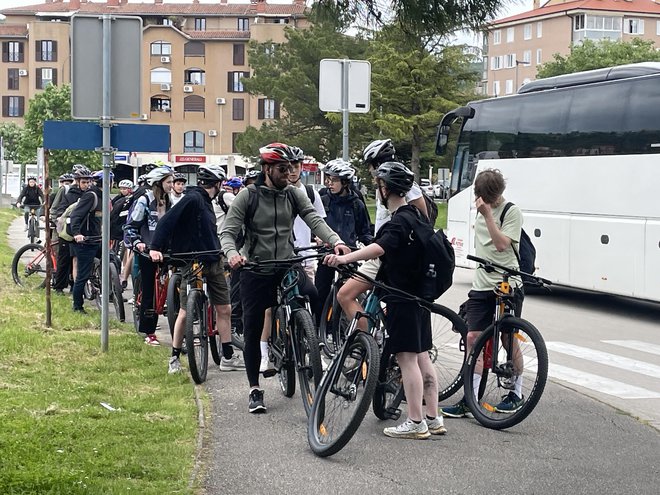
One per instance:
[(344, 106), (106, 150), (49, 248)]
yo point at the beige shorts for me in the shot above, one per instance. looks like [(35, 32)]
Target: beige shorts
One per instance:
[(370, 268)]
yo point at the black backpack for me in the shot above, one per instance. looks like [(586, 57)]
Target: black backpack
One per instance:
[(221, 201), (437, 261), (431, 208), (527, 255)]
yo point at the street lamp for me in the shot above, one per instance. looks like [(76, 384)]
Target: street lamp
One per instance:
[(519, 62)]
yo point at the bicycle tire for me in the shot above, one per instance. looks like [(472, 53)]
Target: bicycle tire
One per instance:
[(282, 340), (95, 283), (389, 391), (308, 353), (28, 268), (449, 351), (533, 354), (197, 335), (173, 300), (116, 294), (33, 229), (358, 367), (333, 325), (137, 298)]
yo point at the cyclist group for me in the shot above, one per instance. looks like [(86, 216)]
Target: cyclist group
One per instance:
[(262, 218)]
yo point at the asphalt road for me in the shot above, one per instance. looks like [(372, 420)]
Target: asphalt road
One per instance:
[(594, 431)]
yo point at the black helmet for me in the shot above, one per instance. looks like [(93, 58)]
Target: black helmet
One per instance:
[(379, 151), (209, 174), (67, 177), (252, 174), (81, 172), (397, 177), (179, 177)]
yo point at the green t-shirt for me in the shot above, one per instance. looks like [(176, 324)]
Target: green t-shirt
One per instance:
[(485, 248)]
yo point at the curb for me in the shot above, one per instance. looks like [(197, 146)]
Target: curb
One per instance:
[(201, 422)]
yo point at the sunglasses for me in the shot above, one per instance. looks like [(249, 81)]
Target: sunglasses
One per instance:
[(284, 169)]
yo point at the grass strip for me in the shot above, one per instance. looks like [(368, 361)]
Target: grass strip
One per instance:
[(55, 434)]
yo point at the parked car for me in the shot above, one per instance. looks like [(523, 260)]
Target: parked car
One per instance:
[(426, 186), (441, 189)]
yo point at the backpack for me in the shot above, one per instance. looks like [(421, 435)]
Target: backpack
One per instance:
[(221, 202), (437, 261), (64, 221), (527, 255), (118, 217), (431, 208)]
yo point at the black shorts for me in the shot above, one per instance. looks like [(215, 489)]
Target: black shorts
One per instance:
[(481, 308), (408, 328)]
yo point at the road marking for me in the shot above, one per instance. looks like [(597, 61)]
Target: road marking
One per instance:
[(605, 358), (599, 383), (636, 345)]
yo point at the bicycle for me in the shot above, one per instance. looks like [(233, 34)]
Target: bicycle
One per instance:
[(92, 289), (161, 290), (33, 225), (510, 350), (28, 268), (294, 343), (359, 375)]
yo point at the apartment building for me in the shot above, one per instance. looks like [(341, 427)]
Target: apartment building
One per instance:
[(194, 58), (516, 45)]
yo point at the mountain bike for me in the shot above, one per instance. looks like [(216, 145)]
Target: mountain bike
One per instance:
[(359, 375), (161, 289), (28, 268), (33, 225), (510, 356), (294, 344), (92, 289)]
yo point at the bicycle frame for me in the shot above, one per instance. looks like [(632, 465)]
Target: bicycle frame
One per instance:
[(39, 257), (196, 281)]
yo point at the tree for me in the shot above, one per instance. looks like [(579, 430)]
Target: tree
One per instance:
[(11, 134), (599, 54), (54, 103)]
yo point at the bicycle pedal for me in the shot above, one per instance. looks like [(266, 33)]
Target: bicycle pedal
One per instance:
[(270, 373), (393, 414)]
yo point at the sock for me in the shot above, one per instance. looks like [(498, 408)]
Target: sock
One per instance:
[(416, 422), (518, 386), (476, 382), (264, 349), (430, 418), (227, 350), (176, 352)]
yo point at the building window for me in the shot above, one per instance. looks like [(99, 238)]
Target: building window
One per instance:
[(45, 77), (657, 28), (496, 62), (193, 142), (234, 83), (527, 56), (167, 22), (510, 60), (193, 103), (200, 24), (510, 32), (238, 109), (496, 88), (243, 24), (539, 56), (161, 48), (578, 22), (633, 26), (497, 37), (12, 51), (13, 106), (508, 86), (46, 51), (161, 75), (194, 76), (528, 32), (194, 49), (268, 109), (160, 103), (12, 78), (539, 29), (239, 54)]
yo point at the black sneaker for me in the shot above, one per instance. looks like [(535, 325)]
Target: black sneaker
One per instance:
[(458, 410), (510, 403), (80, 310), (256, 401)]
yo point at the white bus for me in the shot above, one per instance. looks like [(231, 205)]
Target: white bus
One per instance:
[(581, 156)]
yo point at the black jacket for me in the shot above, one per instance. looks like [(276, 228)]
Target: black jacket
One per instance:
[(86, 218), (189, 226), (31, 196), (71, 196)]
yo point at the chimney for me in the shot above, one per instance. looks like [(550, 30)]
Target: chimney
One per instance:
[(112, 3), (261, 6), (74, 4), (158, 2), (536, 4), (223, 2)]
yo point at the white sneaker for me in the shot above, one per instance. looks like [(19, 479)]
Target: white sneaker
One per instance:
[(266, 365), (174, 366), (235, 363), (436, 426), (408, 429)]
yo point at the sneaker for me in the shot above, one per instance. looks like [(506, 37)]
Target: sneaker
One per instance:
[(151, 340), (267, 367), (232, 364), (80, 310), (510, 403), (458, 410), (436, 426), (124, 284), (256, 402), (408, 429), (174, 366)]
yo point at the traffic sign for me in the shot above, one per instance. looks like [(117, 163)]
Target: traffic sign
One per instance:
[(331, 82), (69, 135)]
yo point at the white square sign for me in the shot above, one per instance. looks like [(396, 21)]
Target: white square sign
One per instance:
[(331, 83)]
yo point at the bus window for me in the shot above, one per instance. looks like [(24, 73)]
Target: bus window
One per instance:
[(641, 120)]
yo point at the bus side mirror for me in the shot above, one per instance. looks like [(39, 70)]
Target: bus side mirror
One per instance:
[(445, 126), (441, 139)]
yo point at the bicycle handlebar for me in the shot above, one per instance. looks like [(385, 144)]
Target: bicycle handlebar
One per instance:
[(491, 266)]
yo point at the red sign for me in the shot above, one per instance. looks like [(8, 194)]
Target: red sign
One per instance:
[(189, 159), (309, 167)]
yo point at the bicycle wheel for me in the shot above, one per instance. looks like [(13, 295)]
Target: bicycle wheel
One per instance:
[(522, 370), (197, 335), (308, 354), (116, 293), (28, 268), (344, 395), (281, 339), (389, 391), (33, 229), (137, 301), (449, 333), (173, 301), (333, 325)]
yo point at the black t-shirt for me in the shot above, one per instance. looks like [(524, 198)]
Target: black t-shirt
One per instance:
[(401, 267)]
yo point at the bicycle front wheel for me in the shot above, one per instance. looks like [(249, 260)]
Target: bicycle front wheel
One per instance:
[(344, 395), (33, 229), (173, 300), (510, 392), (28, 268), (197, 322), (116, 293), (449, 332), (308, 355)]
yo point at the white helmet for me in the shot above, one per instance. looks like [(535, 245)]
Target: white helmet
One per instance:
[(126, 183), (379, 151), (158, 174), (339, 168)]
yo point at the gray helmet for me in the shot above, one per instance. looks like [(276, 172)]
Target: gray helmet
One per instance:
[(126, 183), (179, 177), (81, 172), (158, 174), (339, 168), (379, 151), (397, 177), (67, 177), (142, 179), (297, 154), (208, 174), (252, 174)]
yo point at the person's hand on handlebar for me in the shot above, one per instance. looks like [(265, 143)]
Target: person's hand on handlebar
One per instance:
[(156, 256), (141, 246), (236, 261), (335, 260), (341, 248)]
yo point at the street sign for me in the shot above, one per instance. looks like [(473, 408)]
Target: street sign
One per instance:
[(69, 135), (331, 83), (87, 67)]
